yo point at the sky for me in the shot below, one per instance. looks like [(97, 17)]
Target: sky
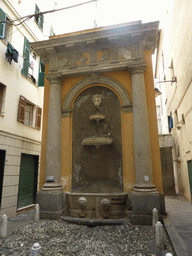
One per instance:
[(105, 13)]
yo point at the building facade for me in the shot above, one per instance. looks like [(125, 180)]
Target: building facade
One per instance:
[(173, 71), (21, 103)]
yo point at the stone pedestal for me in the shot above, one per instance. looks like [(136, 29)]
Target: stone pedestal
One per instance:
[(142, 207), (51, 204)]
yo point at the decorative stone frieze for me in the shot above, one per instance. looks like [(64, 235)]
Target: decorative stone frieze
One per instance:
[(63, 61), (94, 59), (125, 53)]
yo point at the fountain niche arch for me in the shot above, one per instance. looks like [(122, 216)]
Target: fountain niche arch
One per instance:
[(97, 142), (97, 161)]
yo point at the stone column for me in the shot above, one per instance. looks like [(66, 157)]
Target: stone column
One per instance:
[(50, 198), (142, 148), (144, 196), (53, 147)]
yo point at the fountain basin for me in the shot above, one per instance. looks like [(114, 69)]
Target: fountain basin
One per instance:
[(96, 205), (97, 141), (97, 117)]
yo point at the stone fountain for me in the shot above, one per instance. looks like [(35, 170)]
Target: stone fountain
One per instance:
[(100, 137), (97, 183)]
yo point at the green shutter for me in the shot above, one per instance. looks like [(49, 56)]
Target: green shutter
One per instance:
[(41, 74), (39, 18), (2, 25), (26, 56), (36, 12)]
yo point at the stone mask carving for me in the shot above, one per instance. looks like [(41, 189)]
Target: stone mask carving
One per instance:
[(97, 98), (82, 202), (105, 204)]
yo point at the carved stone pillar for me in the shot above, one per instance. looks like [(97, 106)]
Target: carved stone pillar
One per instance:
[(144, 196), (53, 147), (142, 148), (50, 198)]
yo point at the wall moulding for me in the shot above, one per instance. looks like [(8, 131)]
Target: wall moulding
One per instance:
[(96, 79)]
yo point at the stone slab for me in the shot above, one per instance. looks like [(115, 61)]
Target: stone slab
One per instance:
[(93, 222), (50, 215)]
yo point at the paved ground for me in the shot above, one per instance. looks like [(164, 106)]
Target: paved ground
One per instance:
[(178, 224), (59, 238)]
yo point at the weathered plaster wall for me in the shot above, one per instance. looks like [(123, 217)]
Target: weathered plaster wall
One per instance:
[(175, 51)]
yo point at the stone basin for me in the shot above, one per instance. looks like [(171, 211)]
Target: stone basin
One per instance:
[(97, 141), (97, 117), (96, 205)]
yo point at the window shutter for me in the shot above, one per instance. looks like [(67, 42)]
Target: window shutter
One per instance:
[(36, 12), (2, 25), (41, 20), (38, 117), (26, 55), (21, 110), (41, 74)]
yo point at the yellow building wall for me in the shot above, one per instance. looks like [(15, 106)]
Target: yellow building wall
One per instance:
[(124, 78)]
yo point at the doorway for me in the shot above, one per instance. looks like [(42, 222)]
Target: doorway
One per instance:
[(28, 180), (189, 164), (2, 165)]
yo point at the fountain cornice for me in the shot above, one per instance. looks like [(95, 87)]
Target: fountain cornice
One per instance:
[(98, 50)]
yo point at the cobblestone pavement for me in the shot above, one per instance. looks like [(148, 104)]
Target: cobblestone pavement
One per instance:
[(60, 238)]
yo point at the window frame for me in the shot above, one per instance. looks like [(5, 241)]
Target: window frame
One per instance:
[(36, 113), (2, 98), (39, 19), (7, 31), (29, 114), (2, 25), (26, 57), (30, 56)]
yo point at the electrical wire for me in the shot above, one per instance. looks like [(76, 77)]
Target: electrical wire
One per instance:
[(28, 17)]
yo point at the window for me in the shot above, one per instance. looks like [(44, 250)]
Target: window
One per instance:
[(26, 55), (2, 25), (8, 31), (39, 19), (29, 108), (5, 28), (2, 97), (41, 74), (30, 64), (28, 113)]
